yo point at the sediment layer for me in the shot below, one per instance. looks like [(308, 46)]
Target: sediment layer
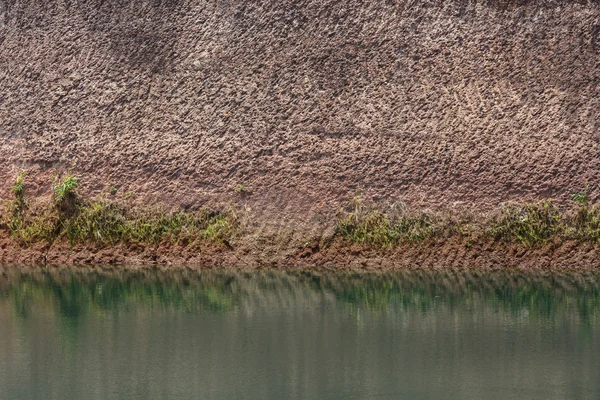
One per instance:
[(253, 255)]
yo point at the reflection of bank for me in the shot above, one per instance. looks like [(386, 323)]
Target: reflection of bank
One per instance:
[(75, 292)]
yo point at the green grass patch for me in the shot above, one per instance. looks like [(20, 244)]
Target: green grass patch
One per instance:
[(17, 205), (104, 222), (108, 223), (70, 217), (367, 225), (584, 224), (529, 224), (65, 189)]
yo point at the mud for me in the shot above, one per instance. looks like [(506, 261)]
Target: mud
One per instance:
[(437, 104), (331, 254)]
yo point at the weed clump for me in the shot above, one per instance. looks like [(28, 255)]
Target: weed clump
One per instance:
[(581, 198), (18, 204), (18, 188), (528, 224), (367, 225), (584, 224), (242, 189), (153, 226), (108, 223), (14, 208), (103, 222), (65, 189), (99, 222)]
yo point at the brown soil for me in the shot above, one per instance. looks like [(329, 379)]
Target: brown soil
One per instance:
[(327, 254), (449, 104)]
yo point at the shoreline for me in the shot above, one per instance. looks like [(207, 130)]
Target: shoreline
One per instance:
[(67, 228), (337, 256)]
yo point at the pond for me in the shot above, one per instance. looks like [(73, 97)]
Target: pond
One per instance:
[(176, 333)]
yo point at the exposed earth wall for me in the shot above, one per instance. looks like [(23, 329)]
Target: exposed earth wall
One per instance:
[(287, 108)]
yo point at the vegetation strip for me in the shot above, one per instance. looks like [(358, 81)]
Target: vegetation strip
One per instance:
[(104, 222), (527, 224)]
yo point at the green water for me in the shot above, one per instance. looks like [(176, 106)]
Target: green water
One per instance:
[(177, 334)]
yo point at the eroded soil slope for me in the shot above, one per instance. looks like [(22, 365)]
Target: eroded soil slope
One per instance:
[(302, 102)]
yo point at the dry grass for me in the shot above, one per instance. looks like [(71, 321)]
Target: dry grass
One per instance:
[(527, 224)]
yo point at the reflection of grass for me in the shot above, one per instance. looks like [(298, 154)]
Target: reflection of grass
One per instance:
[(76, 293), (540, 295)]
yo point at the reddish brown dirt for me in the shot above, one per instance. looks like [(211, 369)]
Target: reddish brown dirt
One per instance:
[(435, 103), (323, 254)]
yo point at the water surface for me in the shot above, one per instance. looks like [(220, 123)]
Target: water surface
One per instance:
[(178, 334)]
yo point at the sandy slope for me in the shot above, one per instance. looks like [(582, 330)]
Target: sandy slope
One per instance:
[(437, 103)]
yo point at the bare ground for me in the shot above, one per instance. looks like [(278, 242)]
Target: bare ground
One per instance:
[(322, 254)]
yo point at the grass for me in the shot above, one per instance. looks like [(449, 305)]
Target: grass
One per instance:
[(109, 223), (528, 224), (581, 198), (242, 189), (368, 225), (18, 189), (374, 227), (65, 189), (585, 224), (105, 222), (18, 204)]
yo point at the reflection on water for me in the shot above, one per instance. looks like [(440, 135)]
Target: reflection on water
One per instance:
[(162, 334)]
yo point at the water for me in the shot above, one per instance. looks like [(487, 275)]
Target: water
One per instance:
[(159, 334)]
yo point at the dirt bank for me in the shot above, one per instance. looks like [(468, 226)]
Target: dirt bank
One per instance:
[(287, 108), (336, 256)]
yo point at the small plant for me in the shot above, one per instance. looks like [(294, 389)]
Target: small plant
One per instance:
[(17, 189), (19, 193), (65, 189), (18, 204), (581, 198), (217, 228), (242, 189), (113, 190), (367, 225)]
